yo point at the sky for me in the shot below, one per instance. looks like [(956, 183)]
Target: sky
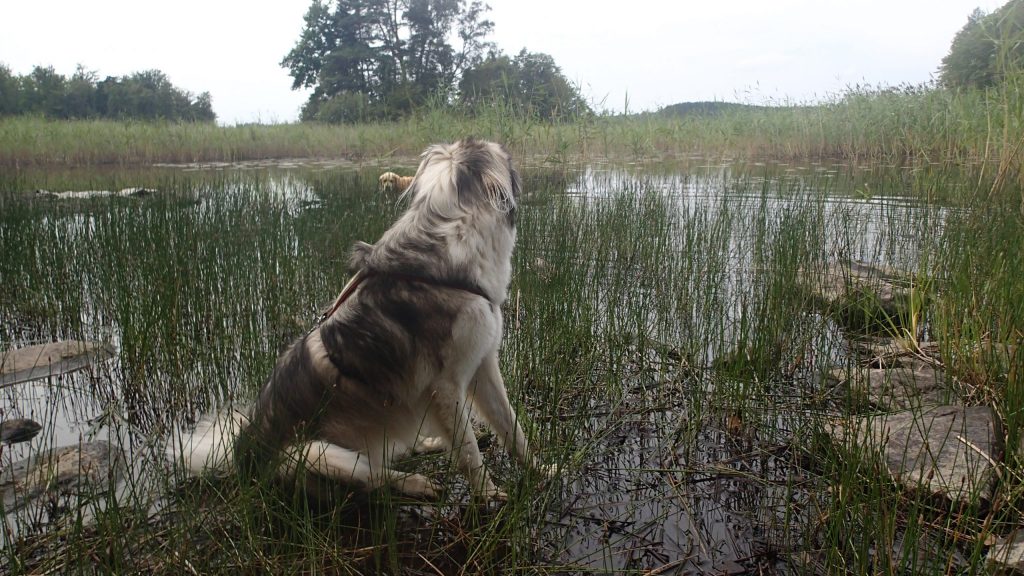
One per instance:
[(643, 54)]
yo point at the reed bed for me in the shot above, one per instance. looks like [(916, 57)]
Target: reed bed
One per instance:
[(658, 345), (876, 125)]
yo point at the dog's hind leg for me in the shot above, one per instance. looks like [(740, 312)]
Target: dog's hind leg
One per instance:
[(491, 401), (349, 466)]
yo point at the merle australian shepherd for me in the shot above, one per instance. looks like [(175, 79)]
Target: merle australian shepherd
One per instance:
[(409, 350)]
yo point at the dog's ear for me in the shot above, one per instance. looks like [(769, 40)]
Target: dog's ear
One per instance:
[(499, 179), (435, 181), (360, 254), (500, 189)]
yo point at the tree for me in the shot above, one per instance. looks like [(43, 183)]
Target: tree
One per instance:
[(80, 94), (531, 83), (495, 80), (383, 58), (10, 92), (147, 95), (548, 92), (986, 48), (43, 92)]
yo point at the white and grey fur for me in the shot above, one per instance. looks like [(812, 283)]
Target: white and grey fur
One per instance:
[(408, 356)]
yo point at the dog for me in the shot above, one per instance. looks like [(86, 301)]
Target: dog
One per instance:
[(391, 182), (407, 352)]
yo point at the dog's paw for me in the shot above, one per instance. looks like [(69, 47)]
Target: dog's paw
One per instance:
[(495, 495), (418, 486), (548, 470), (430, 444), (488, 492)]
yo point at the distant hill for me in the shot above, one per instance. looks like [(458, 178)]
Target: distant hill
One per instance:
[(705, 108)]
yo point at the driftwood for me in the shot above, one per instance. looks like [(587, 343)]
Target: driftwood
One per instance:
[(86, 194)]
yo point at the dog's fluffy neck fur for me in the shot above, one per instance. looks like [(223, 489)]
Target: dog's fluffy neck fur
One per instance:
[(472, 243)]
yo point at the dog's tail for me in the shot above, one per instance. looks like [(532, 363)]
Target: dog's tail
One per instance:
[(211, 446), (226, 442)]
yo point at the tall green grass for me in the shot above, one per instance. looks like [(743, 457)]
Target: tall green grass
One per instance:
[(658, 346)]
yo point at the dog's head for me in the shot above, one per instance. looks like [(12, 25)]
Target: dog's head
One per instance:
[(460, 225), (387, 181), (467, 176), (391, 182)]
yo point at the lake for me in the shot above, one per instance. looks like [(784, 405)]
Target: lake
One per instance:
[(661, 346)]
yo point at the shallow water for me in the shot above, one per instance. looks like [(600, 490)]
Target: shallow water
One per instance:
[(200, 284)]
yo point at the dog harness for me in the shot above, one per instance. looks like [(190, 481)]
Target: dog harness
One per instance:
[(353, 284)]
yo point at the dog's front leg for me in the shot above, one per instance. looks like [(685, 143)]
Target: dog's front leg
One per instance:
[(451, 419), (491, 401)]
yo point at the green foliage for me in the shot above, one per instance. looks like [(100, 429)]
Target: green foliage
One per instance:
[(377, 59), (706, 108), (986, 48), (150, 95), (531, 83), (145, 95), (343, 108), (8, 92)]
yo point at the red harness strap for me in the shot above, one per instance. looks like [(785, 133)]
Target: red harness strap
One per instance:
[(347, 291)]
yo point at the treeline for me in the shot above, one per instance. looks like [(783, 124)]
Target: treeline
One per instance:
[(707, 108), (147, 95), (987, 49), (370, 60)]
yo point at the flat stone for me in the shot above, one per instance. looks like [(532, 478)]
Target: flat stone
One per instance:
[(50, 359), (860, 293), (884, 349), (946, 449), (906, 381), (1008, 553), (68, 469)]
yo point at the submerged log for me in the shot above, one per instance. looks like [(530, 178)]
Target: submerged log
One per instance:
[(50, 359), (86, 194)]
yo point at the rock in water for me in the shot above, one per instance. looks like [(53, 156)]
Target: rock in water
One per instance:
[(1007, 556), (50, 359), (18, 430), (905, 382), (87, 467), (946, 449), (860, 295)]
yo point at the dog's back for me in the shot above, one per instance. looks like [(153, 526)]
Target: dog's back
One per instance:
[(359, 380)]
